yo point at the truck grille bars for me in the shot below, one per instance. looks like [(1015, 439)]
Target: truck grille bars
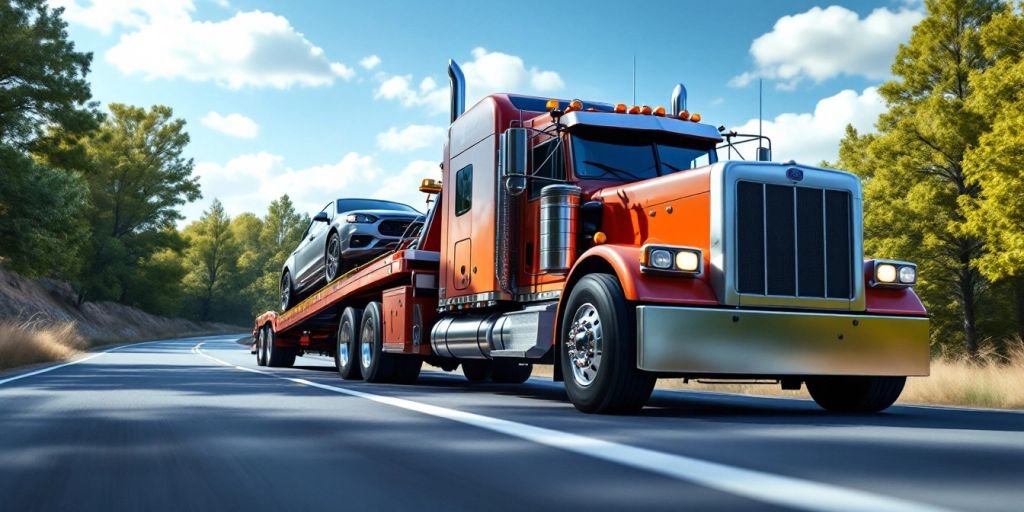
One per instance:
[(793, 241)]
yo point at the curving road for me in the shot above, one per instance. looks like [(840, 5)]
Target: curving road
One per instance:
[(193, 424)]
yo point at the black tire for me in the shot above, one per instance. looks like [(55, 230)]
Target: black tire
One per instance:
[(855, 394), (476, 370), (373, 362), (610, 381), (510, 372), (277, 357), (287, 291), (261, 347), (406, 368), (333, 266), (348, 344)]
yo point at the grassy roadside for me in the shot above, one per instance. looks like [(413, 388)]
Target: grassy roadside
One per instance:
[(30, 342), (993, 381)]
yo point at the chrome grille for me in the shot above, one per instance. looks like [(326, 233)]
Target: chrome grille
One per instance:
[(794, 241)]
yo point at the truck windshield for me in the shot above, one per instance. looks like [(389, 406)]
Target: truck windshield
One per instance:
[(636, 158)]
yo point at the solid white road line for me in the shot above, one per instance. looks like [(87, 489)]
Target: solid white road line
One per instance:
[(757, 485), (82, 360)]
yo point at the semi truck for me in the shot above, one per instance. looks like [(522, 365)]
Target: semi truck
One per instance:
[(611, 242)]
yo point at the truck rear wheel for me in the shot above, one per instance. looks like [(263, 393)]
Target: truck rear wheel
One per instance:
[(277, 357), (346, 356), (261, 347), (510, 372), (597, 349), (855, 394), (373, 362)]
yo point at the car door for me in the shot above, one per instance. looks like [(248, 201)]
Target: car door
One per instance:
[(309, 257)]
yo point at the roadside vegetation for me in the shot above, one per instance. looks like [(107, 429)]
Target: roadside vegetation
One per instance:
[(31, 342)]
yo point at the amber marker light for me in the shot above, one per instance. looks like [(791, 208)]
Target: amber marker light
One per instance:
[(552, 105), (575, 105), (620, 108), (634, 109), (684, 115), (660, 111), (645, 110), (600, 238), (695, 117)]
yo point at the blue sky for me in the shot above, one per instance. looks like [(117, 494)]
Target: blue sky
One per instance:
[(338, 98)]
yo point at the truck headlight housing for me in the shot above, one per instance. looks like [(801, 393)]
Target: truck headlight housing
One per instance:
[(892, 274), (672, 260)]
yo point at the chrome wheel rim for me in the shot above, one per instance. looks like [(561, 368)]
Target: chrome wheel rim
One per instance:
[(343, 341), (365, 351), (285, 289), (584, 344), (333, 255)]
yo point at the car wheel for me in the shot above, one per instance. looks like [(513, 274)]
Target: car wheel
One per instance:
[(597, 349), (346, 357), (332, 258), (855, 394), (287, 291)]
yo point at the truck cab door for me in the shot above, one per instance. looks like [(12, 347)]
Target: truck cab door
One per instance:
[(461, 227)]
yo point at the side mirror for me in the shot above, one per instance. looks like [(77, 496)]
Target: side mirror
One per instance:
[(321, 217), (514, 146)]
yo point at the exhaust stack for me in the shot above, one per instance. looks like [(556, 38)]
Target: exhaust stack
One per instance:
[(678, 100), (458, 89)]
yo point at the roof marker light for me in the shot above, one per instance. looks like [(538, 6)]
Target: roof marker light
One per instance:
[(645, 110), (620, 108), (634, 109), (660, 112), (684, 115), (695, 117), (551, 104)]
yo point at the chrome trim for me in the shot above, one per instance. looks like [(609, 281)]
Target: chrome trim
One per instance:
[(706, 341), (559, 227), (724, 176), (477, 297), (678, 100), (641, 122), (538, 296), (457, 82), (524, 333)]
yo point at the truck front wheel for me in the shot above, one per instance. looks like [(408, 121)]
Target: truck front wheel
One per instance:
[(855, 394), (597, 349)]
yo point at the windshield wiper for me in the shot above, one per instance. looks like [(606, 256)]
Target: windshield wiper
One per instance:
[(619, 173)]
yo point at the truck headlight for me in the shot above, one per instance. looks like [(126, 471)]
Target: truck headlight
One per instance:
[(893, 274), (667, 259)]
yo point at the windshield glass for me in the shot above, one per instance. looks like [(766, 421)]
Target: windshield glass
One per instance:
[(348, 205), (634, 159)]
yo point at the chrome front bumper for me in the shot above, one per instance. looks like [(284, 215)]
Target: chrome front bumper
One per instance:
[(737, 342)]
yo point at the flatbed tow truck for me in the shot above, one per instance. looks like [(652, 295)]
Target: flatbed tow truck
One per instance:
[(611, 242)]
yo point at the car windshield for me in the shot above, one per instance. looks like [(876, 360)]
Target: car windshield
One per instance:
[(636, 158), (350, 205)]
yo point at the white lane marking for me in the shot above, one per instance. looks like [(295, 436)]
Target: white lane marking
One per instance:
[(84, 359), (765, 487)]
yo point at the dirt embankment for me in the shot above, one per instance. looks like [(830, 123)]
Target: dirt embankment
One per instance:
[(40, 321)]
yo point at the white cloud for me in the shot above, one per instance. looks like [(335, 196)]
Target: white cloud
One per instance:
[(250, 49), (810, 138), (404, 186), (369, 62), (234, 125), (487, 73), (412, 137), (825, 43), (104, 15)]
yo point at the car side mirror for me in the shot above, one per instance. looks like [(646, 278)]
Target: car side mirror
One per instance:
[(514, 146), (321, 217)]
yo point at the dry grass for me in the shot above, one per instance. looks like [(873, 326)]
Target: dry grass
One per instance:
[(33, 341), (991, 380)]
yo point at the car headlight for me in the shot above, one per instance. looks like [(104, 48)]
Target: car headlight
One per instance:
[(360, 218), (893, 274), (685, 261)]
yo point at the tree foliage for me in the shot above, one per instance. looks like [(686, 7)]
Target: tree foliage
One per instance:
[(211, 260)]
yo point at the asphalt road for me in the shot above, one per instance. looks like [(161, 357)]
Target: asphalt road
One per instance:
[(191, 424)]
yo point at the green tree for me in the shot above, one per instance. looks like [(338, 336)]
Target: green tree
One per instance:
[(915, 165), (282, 228), (996, 165), (138, 178), (210, 260), (42, 77)]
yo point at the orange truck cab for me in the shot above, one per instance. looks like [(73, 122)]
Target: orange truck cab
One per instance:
[(612, 242)]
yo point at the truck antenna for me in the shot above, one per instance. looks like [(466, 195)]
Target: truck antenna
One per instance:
[(760, 114), (634, 78)]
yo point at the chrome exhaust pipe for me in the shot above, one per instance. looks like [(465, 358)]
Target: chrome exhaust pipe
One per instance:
[(678, 100), (458, 89)]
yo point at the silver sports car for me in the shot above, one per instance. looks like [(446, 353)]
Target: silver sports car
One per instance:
[(346, 233)]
